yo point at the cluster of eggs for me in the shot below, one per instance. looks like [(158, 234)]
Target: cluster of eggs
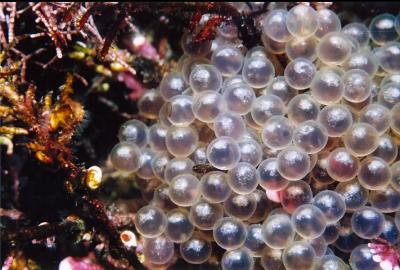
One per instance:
[(300, 164)]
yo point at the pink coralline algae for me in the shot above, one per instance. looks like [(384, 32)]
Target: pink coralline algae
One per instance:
[(73, 263)]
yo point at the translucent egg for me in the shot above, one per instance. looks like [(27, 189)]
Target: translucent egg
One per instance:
[(229, 233), (331, 204), (382, 28), (231, 81), (293, 163), (205, 77), (355, 46), (397, 24), (395, 179), (159, 250), (299, 73), (257, 51), (172, 84), (356, 108), (196, 250), (254, 240), (263, 207), (300, 255), (258, 71), (150, 221), (319, 173), (179, 227), (145, 170), (157, 135), (227, 59), (389, 95), (355, 196), (280, 88), (179, 110), (302, 21), (331, 233), (265, 107), (180, 62), (218, 42), (278, 231), (334, 48), (361, 139), (357, 85), (272, 46), (223, 153), (330, 262), (319, 244), (184, 190), (358, 31), (386, 200), (364, 60), (150, 103), (239, 98), (229, 124), (162, 115), (227, 29), (389, 57), (125, 157), (270, 179), (279, 210), (177, 166), (309, 221), (347, 240), (342, 165), (251, 134), (181, 141), (374, 173), (204, 215), (390, 78), (274, 25), (327, 87), (302, 48), (271, 259), (250, 151), (199, 156), (328, 22), (277, 133), (390, 232), (214, 187), (397, 219), (207, 105), (243, 178), (367, 222), (387, 149), (195, 49), (302, 108), (161, 198), (295, 194), (238, 259), (395, 121), (313, 161), (337, 119), (377, 116), (310, 136), (240, 206), (361, 258), (189, 63), (134, 131)]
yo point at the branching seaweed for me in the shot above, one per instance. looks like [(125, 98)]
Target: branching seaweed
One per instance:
[(50, 125)]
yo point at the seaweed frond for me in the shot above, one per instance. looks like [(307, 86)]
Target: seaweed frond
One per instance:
[(49, 123)]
